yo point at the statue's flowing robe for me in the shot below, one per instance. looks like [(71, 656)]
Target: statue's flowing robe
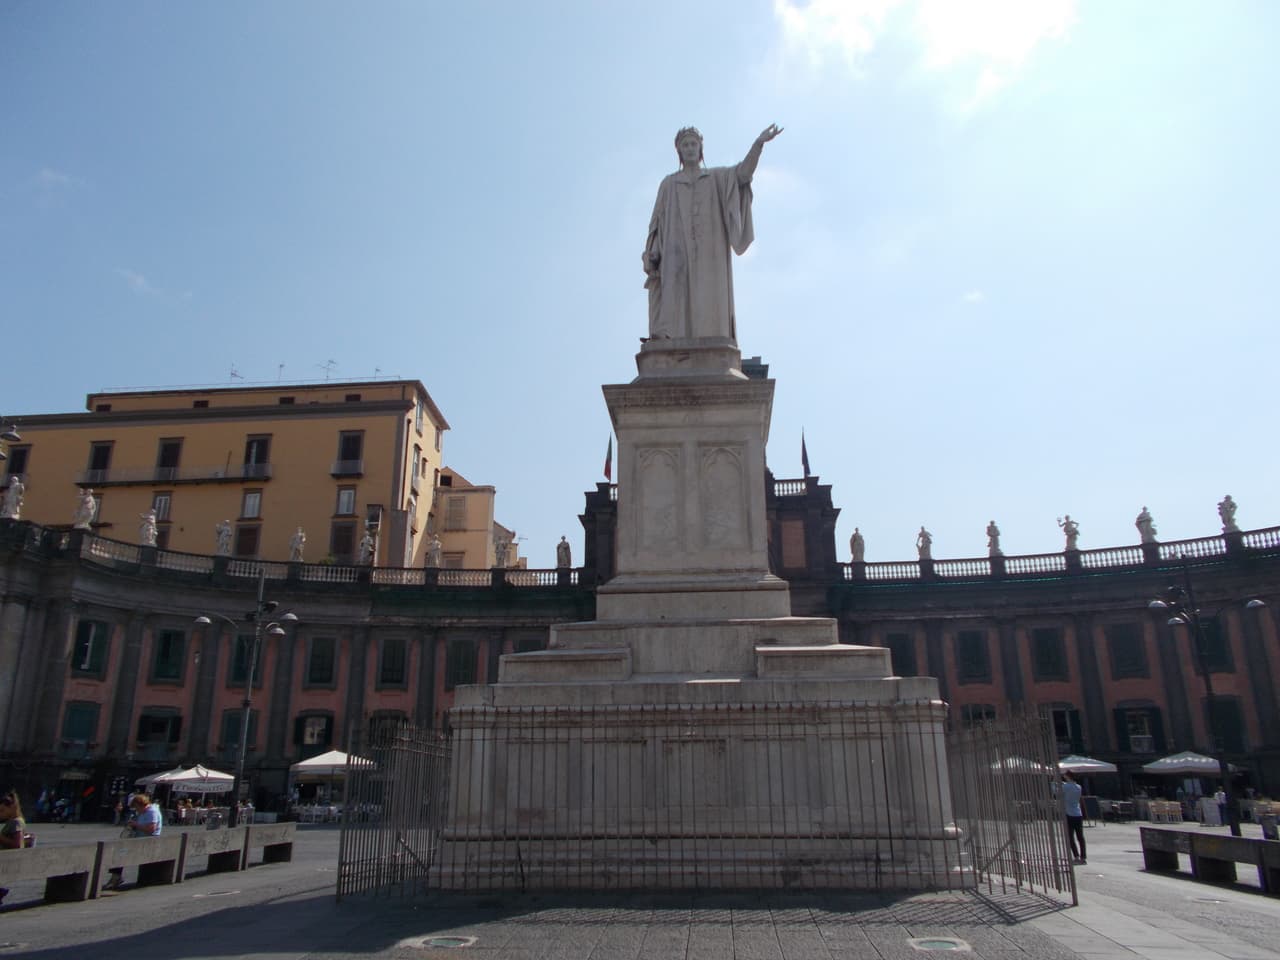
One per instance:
[(699, 220)]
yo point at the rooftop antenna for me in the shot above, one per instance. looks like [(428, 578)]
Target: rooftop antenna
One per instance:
[(279, 373), (376, 371), (327, 366), (235, 374)]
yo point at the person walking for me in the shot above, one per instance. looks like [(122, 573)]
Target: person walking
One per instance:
[(13, 827), (1071, 796), (147, 821)]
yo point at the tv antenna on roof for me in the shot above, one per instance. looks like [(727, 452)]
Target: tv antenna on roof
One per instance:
[(235, 374), (327, 367), (279, 372)]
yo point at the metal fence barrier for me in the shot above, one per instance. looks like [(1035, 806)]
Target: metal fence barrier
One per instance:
[(720, 797)]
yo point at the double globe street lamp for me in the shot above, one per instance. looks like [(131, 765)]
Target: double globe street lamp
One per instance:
[(1180, 603), (263, 625)]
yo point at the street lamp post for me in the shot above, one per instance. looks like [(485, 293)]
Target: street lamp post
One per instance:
[(1180, 604), (259, 618)]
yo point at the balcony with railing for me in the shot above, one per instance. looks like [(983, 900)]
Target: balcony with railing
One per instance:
[(151, 476), (347, 468)]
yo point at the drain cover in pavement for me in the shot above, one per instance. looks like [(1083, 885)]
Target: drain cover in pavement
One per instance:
[(430, 943), (940, 943)]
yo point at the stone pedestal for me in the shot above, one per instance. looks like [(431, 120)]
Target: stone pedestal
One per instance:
[(696, 734)]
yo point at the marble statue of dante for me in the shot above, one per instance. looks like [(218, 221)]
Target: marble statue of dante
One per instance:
[(924, 544), (993, 540), (1146, 527), (296, 545), (12, 508), (86, 510), (857, 546), (563, 553), (1072, 531), (701, 217), (434, 552), (223, 533), (147, 528), (1227, 511)]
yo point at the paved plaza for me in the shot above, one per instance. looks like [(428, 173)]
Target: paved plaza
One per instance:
[(288, 912)]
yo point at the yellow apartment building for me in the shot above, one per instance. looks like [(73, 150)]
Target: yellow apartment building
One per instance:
[(333, 459), (469, 535)]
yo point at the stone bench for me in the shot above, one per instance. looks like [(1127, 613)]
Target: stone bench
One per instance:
[(69, 873), (223, 850), (1213, 857), (75, 871), (156, 858), (275, 840)]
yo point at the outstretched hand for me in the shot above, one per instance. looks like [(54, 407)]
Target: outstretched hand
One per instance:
[(771, 131)]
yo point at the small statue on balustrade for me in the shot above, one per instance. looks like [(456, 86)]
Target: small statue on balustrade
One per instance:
[(1071, 530), (297, 543), (12, 509), (222, 531), (1146, 526), (86, 511), (1227, 511), (993, 540), (368, 545), (564, 554), (434, 552), (500, 546), (924, 544), (857, 547), (147, 530)]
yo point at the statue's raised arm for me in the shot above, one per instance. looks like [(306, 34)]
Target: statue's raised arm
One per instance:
[(702, 216)]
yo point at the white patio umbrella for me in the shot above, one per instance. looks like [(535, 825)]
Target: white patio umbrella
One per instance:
[(151, 779), (1086, 765), (326, 766), (197, 779), (1186, 764)]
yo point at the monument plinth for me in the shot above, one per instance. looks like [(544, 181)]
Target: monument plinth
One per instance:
[(695, 705)]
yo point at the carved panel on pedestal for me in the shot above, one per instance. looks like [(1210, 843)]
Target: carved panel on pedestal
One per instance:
[(722, 488), (658, 516)]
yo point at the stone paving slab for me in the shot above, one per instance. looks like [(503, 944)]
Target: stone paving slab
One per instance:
[(288, 912)]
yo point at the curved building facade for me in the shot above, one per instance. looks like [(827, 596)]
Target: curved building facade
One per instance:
[(105, 676)]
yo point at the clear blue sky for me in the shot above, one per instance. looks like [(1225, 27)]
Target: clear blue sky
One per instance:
[(1013, 259)]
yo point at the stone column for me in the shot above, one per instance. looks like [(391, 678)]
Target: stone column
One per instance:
[(1095, 708), (13, 621), (1010, 660), (495, 642), (201, 723), (16, 735), (56, 642), (1181, 729), (356, 673), (429, 641), (119, 730), (1259, 670), (278, 708), (934, 660)]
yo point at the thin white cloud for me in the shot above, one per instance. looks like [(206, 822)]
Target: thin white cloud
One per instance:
[(137, 282), (51, 179), (821, 30), (974, 296), (977, 47)]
